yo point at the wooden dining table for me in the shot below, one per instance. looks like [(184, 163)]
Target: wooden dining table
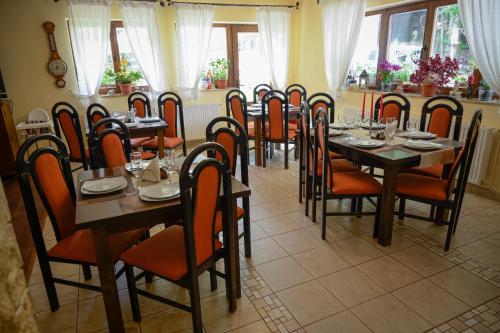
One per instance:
[(108, 214), (149, 129), (254, 111), (392, 158)]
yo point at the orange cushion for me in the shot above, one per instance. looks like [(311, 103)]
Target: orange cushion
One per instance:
[(338, 165), (169, 142), (137, 142), (164, 254), (87, 152), (80, 247), (240, 212), (355, 183), (422, 186), (147, 155), (251, 124), (292, 125), (432, 171), (291, 134), (334, 155)]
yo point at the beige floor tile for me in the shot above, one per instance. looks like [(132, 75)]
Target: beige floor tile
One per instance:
[(289, 205), (465, 286), (321, 261), (334, 232), (265, 250), (351, 286), (320, 303), (422, 260), (257, 327), (344, 322), (388, 273), (484, 252), (263, 211), (65, 294), (58, 270), (130, 327), (493, 239), (398, 242), (431, 302), (283, 273), (256, 232), (277, 225), (61, 321), (298, 241), (386, 314), (300, 218), (355, 250), (357, 226)]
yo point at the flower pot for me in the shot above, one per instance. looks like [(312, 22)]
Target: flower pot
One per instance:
[(386, 86), (485, 95), (125, 88), (427, 90), (443, 91), (221, 84)]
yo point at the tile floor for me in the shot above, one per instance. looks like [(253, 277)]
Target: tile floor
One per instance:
[(296, 282)]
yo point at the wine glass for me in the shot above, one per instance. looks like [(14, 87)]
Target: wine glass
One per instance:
[(169, 162), (411, 127)]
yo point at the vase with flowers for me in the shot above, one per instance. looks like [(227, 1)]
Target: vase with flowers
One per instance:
[(125, 77), (386, 74), (433, 73)]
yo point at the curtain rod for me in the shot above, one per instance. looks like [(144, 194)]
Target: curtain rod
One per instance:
[(162, 3), (173, 2)]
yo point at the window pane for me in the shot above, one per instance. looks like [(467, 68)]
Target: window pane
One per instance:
[(127, 53), (366, 53), (406, 37), (217, 47), (107, 79), (252, 68), (449, 38)]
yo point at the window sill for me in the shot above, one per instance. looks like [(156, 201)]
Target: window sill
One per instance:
[(216, 89)]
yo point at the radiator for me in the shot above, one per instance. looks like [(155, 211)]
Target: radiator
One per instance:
[(196, 119)]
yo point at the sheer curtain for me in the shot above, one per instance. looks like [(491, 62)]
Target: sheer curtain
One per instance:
[(481, 20), (141, 26), (341, 26), (89, 29), (274, 31), (193, 29)]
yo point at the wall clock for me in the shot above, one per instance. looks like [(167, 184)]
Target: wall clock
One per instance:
[(56, 66)]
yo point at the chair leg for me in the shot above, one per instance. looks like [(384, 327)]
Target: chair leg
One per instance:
[(359, 207), (432, 212), (401, 212), (286, 154), (451, 227), (307, 188), (247, 239), (439, 216), (264, 153), (194, 295), (213, 279), (50, 287), (300, 183), (184, 150), (132, 292), (147, 275), (377, 217), (314, 196), (323, 211), (87, 274), (353, 205)]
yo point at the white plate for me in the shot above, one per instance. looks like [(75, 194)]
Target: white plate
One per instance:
[(335, 133), (367, 143), (419, 135), (424, 145), (159, 191), (104, 185), (149, 120), (374, 126), (131, 124), (340, 126)]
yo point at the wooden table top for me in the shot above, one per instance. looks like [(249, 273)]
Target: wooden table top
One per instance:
[(125, 205)]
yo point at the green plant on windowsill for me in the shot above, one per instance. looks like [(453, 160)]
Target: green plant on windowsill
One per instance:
[(219, 68), (125, 77)]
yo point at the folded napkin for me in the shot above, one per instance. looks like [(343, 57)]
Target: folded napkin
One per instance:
[(152, 172)]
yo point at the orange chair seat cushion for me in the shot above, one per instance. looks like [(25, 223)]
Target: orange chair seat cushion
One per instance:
[(147, 155), (355, 183), (137, 142), (240, 212), (164, 254), (291, 134), (79, 246), (422, 186), (334, 155), (432, 171), (338, 165), (169, 142), (292, 125)]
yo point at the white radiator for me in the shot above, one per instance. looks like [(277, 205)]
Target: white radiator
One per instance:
[(196, 119)]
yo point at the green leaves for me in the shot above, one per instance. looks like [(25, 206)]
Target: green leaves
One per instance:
[(219, 68)]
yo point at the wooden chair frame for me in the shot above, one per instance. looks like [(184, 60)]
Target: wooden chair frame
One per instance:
[(240, 95), (96, 138), (258, 89), (322, 98), (402, 103), (305, 147), (188, 188), (456, 111), (296, 87), (144, 98), (176, 99), (64, 107), (96, 108)]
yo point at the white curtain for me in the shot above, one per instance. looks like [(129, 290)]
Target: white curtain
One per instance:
[(89, 24), (274, 31), (193, 29), (342, 21), (141, 26), (481, 20)]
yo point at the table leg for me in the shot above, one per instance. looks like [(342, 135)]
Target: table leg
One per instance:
[(258, 140), (230, 265), (105, 266), (236, 244), (161, 143), (387, 206)]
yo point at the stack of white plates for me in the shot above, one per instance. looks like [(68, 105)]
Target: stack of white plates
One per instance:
[(367, 144), (134, 124), (423, 145), (104, 185), (375, 126), (159, 192), (419, 135), (341, 126)]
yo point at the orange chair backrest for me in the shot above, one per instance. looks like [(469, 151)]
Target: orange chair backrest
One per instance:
[(230, 145), (170, 117), (113, 151), (440, 122), (140, 107), (295, 97), (237, 110), (53, 185), (320, 137), (276, 129), (70, 133), (391, 110), (316, 107), (96, 116)]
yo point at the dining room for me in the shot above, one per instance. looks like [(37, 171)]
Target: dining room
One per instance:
[(250, 166)]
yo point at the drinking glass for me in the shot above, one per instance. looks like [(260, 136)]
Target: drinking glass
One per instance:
[(411, 127), (390, 128), (136, 160), (349, 118), (169, 162)]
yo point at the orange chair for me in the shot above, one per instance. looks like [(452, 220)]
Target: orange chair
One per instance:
[(296, 95), (110, 147), (437, 117), (96, 112), (396, 106), (171, 111), (50, 170), (442, 193), (259, 91), (324, 101), (236, 107), (234, 141), (181, 253), (353, 185), (142, 105), (66, 118), (275, 108)]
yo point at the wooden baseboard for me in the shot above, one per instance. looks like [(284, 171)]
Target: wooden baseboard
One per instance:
[(483, 192)]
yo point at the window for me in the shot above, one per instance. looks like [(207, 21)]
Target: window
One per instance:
[(240, 44), (366, 53)]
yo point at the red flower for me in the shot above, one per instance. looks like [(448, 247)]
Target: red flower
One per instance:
[(435, 71)]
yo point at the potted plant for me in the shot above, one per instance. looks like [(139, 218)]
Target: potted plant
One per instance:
[(125, 78), (485, 93), (219, 68), (434, 72), (386, 74)]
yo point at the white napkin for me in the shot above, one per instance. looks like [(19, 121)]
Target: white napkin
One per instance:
[(152, 172)]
